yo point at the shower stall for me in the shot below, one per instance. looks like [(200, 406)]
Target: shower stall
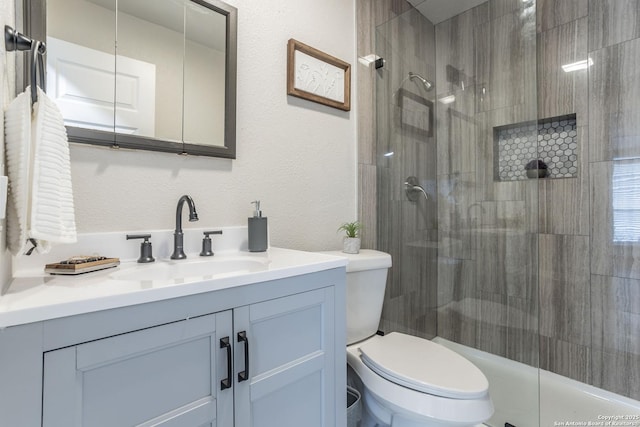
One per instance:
[(499, 165)]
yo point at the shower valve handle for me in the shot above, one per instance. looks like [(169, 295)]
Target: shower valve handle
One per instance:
[(412, 188)]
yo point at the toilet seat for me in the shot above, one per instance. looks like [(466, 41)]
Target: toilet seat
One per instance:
[(424, 366), (411, 404)]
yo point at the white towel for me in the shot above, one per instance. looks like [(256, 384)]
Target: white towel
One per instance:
[(17, 128), (40, 175)]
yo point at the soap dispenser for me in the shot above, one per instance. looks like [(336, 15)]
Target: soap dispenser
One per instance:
[(257, 230)]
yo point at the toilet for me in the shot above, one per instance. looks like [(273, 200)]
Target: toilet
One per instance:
[(405, 381)]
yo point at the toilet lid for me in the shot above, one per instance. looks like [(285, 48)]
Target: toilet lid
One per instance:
[(424, 366)]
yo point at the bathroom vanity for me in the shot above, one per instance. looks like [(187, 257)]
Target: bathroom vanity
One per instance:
[(260, 344)]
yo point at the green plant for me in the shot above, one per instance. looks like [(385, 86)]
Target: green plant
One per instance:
[(351, 229)]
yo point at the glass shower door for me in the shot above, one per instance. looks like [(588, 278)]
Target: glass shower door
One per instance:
[(406, 153), (456, 113)]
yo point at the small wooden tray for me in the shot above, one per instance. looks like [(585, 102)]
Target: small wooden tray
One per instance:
[(79, 265)]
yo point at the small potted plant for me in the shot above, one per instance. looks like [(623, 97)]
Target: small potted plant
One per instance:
[(536, 169), (352, 237)]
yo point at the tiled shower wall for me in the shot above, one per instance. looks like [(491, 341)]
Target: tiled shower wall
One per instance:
[(394, 224), (510, 250), (487, 270), (583, 286)]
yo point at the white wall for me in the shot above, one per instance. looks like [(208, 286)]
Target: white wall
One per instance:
[(297, 157), (7, 93)]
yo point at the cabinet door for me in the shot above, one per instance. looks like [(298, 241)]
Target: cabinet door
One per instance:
[(291, 361), (167, 375)]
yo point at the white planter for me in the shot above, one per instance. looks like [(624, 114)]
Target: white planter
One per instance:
[(351, 245)]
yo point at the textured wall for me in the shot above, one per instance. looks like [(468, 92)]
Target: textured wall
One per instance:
[(297, 157)]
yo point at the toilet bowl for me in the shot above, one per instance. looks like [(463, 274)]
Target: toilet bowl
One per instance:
[(405, 381)]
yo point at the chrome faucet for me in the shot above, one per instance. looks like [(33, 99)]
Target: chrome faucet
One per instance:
[(178, 236)]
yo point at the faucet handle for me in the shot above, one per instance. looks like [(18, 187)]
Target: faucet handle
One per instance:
[(206, 243), (146, 251)]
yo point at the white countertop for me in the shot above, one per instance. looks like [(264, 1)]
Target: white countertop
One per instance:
[(38, 297)]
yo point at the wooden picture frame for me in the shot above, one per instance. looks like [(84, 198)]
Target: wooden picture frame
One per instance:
[(316, 76)]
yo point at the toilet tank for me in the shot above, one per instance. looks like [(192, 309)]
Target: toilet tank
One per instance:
[(366, 281)]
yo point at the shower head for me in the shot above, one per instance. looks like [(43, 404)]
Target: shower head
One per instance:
[(427, 84)]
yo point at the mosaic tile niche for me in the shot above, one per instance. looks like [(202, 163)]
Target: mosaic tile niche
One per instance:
[(553, 140)]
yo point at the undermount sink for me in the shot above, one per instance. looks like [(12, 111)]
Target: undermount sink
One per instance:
[(188, 269)]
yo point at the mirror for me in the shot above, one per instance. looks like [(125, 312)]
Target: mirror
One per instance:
[(146, 74)]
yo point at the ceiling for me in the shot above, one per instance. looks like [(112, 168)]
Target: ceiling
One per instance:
[(440, 10)]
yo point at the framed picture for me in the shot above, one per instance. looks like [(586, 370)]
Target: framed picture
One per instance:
[(317, 76)]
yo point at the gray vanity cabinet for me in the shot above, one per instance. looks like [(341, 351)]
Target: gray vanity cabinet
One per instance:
[(171, 374), (161, 363)]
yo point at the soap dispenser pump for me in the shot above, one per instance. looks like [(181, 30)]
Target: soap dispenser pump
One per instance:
[(257, 230)]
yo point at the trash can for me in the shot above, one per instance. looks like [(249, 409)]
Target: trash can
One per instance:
[(354, 407)]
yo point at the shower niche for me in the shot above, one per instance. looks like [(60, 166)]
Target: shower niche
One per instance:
[(554, 141)]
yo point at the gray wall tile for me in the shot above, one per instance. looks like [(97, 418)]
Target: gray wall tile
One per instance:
[(509, 39), (614, 102), (366, 126), (455, 76), (522, 334), (507, 262), (365, 42), (457, 214), (564, 288), (565, 358), (456, 133), (561, 93), (367, 204), (385, 10), (551, 13), (457, 304), (613, 21), (615, 308), (564, 203), (492, 323), (618, 372), (499, 8)]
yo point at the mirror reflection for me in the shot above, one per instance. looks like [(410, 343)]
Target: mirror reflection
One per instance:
[(154, 69)]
